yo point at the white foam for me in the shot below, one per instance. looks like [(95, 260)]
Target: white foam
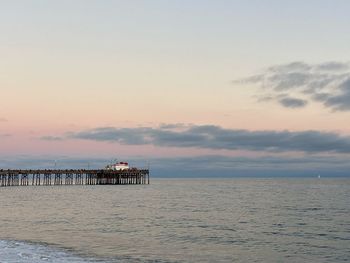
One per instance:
[(21, 252)]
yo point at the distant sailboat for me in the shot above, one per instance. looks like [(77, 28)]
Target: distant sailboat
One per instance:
[(319, 176)]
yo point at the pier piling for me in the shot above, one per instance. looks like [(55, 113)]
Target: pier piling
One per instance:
[(73, 177)]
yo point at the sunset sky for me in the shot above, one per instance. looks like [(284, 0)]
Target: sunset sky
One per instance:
[(193, 87)]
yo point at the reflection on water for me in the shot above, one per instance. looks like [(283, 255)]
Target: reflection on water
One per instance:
[(177, 220)]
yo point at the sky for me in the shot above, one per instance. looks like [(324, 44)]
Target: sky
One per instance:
[(193, 88)]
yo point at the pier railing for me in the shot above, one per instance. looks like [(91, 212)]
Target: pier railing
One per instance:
[(73, 177)]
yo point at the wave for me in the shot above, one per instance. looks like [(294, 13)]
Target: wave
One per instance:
[(23, 252)]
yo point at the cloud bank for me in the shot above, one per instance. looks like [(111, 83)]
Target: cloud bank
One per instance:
[(198, 166), (217, 138), (296, 84)]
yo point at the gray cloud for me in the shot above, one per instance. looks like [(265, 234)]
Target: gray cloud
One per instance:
[(293, 102), (290, 67), (51, 138), (197, 166), (173, 125), (327, 83), (131, 136), (215, 137), (333, 65), (341, 101), (3, 120), (252, 163)]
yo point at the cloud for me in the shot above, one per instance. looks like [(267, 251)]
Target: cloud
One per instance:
[(218, 138), (270, 163), (293, 102), (51, 138), (341, 101), (197, 166), (333, 65), (174, 125), (293, 66), (326, 83), (3, 120)]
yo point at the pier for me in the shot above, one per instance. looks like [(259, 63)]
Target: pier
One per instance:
[(73, 177)]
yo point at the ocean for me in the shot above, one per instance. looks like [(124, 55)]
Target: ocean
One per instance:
[(178, 220)]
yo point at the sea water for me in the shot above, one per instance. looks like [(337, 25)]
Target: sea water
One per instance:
[(178, 220)]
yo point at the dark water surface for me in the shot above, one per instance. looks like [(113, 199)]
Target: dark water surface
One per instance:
[(177, 220)]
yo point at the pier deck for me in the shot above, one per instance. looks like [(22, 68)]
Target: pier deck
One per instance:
[(73, 177)]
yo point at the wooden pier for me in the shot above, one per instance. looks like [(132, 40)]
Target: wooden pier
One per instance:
[(73, 177)]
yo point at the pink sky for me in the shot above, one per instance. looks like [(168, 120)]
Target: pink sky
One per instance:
[(71, 70)]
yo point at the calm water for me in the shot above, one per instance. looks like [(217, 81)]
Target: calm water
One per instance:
[(224, 220)]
